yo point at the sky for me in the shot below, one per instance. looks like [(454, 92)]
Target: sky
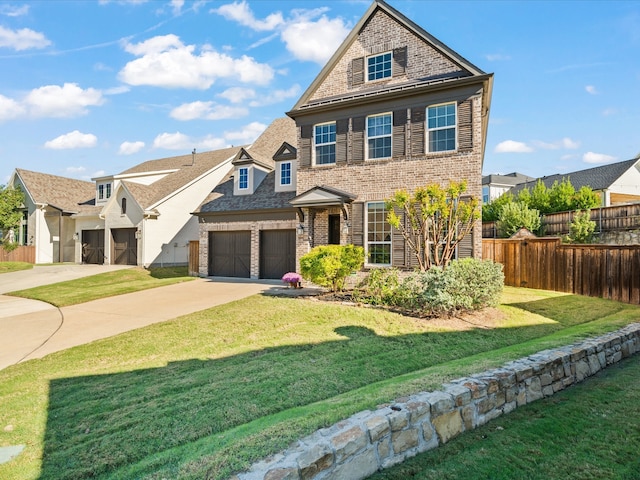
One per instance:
[(91, 88)]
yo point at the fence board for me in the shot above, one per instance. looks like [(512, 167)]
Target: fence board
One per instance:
[(21, 254), (605, 271), (194, 258)]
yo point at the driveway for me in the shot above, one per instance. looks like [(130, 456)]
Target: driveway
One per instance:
[(31, 329)]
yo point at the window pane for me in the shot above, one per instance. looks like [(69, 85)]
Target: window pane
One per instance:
[(285, 174), (378, 234), (379, 66), (441, 126), (243, 181), (379, 136), (325, 141)]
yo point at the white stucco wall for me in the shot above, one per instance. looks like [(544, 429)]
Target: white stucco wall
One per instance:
[(628, 183)]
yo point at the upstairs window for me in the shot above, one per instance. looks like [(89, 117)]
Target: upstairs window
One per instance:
[(441, 127), (243, 178), (123, 206), (100, 192), (378, 235), (379, 136), (379, 66), (325, 143), (285, 173), (108, 189)]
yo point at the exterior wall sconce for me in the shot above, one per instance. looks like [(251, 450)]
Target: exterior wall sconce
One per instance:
[(300, 229), (138, 234), (345, 228), (76, 236)]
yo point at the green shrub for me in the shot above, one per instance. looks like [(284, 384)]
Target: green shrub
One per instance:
[(515, 216), (581, 228), (467, 284), (329, 265)]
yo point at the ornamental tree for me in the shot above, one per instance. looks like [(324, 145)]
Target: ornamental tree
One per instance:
[(433, 220), (11, 201)]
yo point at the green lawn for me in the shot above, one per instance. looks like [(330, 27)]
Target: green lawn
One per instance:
[(103, 285), (207, 394), (6, 267)]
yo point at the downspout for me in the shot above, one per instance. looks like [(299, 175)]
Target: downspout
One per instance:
[(60, 249)]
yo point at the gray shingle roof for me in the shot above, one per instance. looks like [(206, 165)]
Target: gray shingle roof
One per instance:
[(598, 178), (513, 178), (67, 194)]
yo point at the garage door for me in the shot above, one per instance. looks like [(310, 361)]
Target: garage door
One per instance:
[(277, 253), (230, 254), (93, 246), (125, 246)]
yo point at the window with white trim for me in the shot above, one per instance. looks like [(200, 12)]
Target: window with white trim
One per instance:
[(285, 173), (379, 66), (441, 127), (324, 139), (378, 235), (108, 195), (379, 136), (243, 178), (100, 192)]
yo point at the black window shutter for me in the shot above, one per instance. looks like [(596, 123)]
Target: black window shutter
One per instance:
[(358, 139), (465, 126), (342, 130), (357, 71), (399, 133), (399, 61), (357, 223), (418, 131), (306, 133)]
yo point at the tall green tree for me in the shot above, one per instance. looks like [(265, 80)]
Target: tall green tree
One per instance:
[(436, 219), (561, 196), (11, 201)]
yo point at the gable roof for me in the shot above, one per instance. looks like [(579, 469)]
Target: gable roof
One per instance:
[(66, 194), (513, 178), (598, 178), (467, 67), (323, 195)]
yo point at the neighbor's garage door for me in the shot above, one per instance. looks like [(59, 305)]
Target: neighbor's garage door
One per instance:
[(125, 246), (277, 253), (93, 246), (230, 254)]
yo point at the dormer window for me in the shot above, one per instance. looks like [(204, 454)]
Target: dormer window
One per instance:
[(285, 173), (108, 188), (123, 206), (100, 192), (379, 66), (243, 178), (104, 191)]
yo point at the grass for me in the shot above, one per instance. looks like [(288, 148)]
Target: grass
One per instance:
[(590, 431), (103, 285), (209, 393), (6, 267)]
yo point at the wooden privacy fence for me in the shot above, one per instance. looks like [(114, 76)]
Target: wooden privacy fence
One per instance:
[(20, 254), (194, 256), (605, 271)]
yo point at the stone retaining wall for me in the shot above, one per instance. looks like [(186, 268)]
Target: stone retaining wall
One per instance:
[(373, 440)]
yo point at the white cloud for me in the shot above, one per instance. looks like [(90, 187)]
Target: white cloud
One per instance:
[(591, 90), (176, 6), (13, 11), (276, 96), (75, 170), (247, 134), (238, 94), (23, 39), (241, 13), (207, 111), (67, 101), (10, 109), (117, 90), (565, 143), (497, 57), (166, 62), (72, 140), (129, 148), (316, 40), (511, 146), (180, 141), (591, 157)]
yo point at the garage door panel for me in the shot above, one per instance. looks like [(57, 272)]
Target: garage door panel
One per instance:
[(277, 253), (230, 254), (93, 246), (125, 247)]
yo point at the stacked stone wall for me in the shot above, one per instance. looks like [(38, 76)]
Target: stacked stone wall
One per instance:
[(374, 440)]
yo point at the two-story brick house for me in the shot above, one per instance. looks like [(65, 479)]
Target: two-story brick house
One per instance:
[(394, 108)]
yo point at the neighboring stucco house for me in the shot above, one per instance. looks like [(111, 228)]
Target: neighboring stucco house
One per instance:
[(616, 183), (394, 108), (141, 216), (494, 185)]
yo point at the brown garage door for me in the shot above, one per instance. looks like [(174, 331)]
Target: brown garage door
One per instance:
[(277, 253), (93, 246), (125, 246), (230, 254)]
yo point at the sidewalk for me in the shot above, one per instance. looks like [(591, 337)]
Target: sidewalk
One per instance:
[(30, 329)]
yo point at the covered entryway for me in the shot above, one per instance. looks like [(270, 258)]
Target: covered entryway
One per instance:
[(93, 247), (124, 246), (277, 253), (230, 254)]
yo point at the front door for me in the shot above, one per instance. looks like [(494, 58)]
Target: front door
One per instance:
[(334, 229)]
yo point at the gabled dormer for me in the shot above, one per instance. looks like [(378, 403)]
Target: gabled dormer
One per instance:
[(286, 168), (248, 173), (104, 189)]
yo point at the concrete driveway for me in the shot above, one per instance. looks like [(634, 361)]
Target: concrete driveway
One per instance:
[(31, 329)]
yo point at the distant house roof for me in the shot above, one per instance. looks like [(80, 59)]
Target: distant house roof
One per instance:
[(182, 169), (598, 178), (66, 194), (513, 178)]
